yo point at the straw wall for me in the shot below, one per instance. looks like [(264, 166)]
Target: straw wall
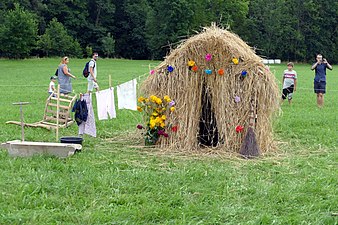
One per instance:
[(187, 88)]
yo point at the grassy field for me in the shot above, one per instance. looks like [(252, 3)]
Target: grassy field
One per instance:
[(111, 182)]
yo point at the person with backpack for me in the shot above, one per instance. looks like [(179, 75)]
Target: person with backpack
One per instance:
[(92, 76), (64, 76)]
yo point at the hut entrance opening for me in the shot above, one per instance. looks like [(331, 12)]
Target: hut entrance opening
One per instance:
[(208, 132)]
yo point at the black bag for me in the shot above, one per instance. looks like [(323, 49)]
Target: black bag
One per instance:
[(86, 71)]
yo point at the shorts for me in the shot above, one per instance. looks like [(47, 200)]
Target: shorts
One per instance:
[(92, 85), (287, 92), (319, 87)]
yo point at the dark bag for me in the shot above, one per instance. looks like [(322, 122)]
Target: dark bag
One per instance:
[(81, 111), (86, 71)]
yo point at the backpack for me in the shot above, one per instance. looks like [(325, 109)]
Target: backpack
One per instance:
[(86, 71)]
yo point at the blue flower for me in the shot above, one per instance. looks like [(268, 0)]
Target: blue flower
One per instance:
[(170, 69), (244, 73), (208, 71)]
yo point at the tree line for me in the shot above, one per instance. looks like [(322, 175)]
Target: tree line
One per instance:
[(293, 30)]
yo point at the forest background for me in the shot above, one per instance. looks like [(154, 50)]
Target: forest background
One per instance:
[(290, 30)]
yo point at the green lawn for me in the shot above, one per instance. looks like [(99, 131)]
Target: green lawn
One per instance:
[(112, 182)]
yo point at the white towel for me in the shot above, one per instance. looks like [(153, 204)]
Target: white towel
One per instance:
[(105, 104), (126, 95), (89, 126)]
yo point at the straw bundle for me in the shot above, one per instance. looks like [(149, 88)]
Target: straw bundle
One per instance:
[(197, 93)]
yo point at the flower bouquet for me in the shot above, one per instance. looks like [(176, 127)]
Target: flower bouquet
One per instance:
[(155, 111)]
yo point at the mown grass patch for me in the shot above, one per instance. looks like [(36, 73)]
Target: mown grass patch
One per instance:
[(112, 182)]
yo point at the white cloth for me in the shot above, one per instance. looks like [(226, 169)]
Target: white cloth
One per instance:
[(105, 104), (126, 94), (51, 86), (89, 126)]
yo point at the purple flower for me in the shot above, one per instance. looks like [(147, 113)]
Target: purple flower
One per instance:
[(165, 135), (160, 132), (208, 57), (139, 126), (172, 103), (237, 99)]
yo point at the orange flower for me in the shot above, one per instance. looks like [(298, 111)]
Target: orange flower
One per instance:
[(221, 72)]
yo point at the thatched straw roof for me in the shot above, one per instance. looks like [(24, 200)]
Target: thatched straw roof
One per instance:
[(229, 95)]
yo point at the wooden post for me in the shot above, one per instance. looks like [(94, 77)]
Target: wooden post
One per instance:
[(22, 125), (21, 119), (57, 114), (109, 81)]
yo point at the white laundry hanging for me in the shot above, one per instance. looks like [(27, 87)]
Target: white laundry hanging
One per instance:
[(126, 95), (105, 104), (89, 126)]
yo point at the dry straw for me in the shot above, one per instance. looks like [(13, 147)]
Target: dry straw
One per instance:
[(189, 90)]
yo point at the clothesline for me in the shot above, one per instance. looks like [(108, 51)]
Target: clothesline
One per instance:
[(101, 81)]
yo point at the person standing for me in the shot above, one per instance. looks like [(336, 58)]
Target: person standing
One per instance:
[(51, 88), (320, 78), (92, 78), (289, 82), (64, 76)]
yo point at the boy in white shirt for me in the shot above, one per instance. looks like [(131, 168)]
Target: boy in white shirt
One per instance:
[(289, 82), (51, 87)]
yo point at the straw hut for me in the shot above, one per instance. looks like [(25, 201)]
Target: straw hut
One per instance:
[(216, 81)]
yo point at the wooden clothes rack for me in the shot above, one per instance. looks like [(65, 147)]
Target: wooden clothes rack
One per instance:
[(57, 112)]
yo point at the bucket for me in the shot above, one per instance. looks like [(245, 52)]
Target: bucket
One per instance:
[(71, 140)]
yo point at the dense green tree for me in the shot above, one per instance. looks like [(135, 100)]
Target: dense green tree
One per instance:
[(130, 19), (73, 14), (18, 33), (57, 42), (287, 29), (229, 14), (167, 22), (108, 45), (100, 22)]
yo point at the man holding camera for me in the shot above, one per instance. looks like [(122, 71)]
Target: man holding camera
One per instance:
[(320, 78)]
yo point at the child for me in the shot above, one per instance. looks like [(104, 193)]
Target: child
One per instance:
[(51, 88), (289, 82)]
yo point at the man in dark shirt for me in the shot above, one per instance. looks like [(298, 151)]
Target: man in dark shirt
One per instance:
[(320, 78)]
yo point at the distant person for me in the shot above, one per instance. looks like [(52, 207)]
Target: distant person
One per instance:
[(289, 82), (64, 76), (92, 78), (320, 78), (51, 88)]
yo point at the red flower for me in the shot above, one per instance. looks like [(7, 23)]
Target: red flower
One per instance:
[(239, 129), (174, 128), (139, 126), (194, 68), (165, 135)]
